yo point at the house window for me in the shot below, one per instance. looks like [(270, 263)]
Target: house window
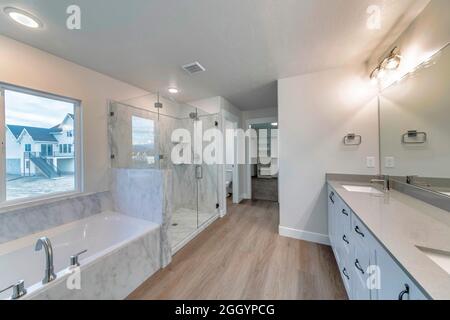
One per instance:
[(36, 120), (143, 139)]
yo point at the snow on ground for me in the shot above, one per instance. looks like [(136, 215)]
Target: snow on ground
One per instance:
[(22, 187)]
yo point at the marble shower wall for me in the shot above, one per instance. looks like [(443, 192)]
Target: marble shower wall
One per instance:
[(18, 223), (146, 194)]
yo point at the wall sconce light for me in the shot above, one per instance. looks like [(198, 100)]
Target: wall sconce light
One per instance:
[(390, 63)]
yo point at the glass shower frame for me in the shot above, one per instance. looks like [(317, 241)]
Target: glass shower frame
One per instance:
[(195, 186)]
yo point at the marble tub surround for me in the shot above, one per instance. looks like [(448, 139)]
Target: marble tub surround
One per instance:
[(403, 224), (145, 194), (18, 223), (112, 276)]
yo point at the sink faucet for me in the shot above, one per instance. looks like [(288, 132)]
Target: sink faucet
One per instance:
[(385, 180), (45, 243)]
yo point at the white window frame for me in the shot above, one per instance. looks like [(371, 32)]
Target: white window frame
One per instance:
[(78, 148)]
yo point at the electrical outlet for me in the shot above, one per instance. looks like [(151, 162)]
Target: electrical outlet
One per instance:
[(370, 162), (389, 162)]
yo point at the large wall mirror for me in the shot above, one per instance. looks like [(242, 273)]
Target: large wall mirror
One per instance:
[(415, 126)]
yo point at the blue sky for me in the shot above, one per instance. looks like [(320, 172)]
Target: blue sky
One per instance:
[(33, 111)]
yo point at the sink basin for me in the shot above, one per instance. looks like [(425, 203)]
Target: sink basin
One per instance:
[(441, 258), (362, 189)]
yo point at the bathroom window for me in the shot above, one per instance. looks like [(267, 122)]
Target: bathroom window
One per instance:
[(45, 165), (143, 140)]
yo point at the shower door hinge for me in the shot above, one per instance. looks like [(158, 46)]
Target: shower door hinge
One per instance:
[(216, 123), (217, 206), (113, 156), (111, 114)]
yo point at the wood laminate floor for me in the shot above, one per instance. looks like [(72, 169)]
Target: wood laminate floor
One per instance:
[(242, 257)]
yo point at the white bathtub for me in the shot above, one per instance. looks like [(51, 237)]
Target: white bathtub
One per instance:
[(122, 253)]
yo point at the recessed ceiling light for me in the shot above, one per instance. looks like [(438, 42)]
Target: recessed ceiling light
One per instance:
[(24, 18), (274, 124), (173, 90)]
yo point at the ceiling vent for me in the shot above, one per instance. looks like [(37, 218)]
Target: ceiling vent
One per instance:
[(193, 68)]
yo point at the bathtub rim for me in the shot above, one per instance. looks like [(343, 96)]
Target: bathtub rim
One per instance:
[(62, 275)]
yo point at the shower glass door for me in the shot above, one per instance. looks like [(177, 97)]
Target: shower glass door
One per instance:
[(207, 184)]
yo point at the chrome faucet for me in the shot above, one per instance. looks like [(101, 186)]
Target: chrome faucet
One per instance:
[(386, 182), (45, 243)]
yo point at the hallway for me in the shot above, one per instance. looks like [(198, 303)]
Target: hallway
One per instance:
[(242, 257)]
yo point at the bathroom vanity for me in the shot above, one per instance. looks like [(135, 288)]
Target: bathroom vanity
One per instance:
[(388, 245)]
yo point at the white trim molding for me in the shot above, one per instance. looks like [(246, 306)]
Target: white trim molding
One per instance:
[(304, 235)]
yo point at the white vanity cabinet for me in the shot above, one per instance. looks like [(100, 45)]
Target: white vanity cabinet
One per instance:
[(367, 269)]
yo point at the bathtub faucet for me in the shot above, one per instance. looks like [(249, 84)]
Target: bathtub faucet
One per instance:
[(45, 243)]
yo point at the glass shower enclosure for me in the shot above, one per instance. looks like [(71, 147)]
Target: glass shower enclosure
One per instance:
[(142, 138)]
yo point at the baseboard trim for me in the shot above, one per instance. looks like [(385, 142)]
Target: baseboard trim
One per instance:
[(304, 235)]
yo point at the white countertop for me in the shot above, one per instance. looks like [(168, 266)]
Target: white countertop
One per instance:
[(401, 224)]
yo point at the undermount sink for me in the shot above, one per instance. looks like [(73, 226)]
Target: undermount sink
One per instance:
[(361, 189), (441, 258)]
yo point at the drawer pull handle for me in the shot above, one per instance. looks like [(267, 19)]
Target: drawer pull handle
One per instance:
[(359, 231), (344, 237), (358, 266), (344, 212), (404, 292), (332, 197), (344, 271)]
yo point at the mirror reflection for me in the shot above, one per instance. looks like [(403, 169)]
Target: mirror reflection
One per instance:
[(415, 126)]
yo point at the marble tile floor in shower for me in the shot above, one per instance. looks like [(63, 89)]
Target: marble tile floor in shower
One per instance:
[(184, 222)]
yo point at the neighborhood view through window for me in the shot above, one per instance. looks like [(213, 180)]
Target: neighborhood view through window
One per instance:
[(40, 145)]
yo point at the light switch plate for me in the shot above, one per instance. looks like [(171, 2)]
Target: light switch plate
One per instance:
[(370, 162), (389, 162)]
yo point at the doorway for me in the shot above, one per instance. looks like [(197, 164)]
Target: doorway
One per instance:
[(262, 172)]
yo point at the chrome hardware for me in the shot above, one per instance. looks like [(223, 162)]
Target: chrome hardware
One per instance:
[(18, 290), (332, 197), (386, 182), (358, 266), (344, 237), (344, 212), (352, 139), (404, 292), (414, 134), (344, 271), (358, 231), (74, 259), (45, 243)]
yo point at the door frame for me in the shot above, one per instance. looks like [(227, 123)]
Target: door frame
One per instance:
[(248, 167), (228, 116)]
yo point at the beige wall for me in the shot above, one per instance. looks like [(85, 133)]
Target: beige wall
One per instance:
[(315, 112), (26, 66)]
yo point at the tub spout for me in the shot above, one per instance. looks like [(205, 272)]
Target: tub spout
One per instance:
[(45, 243)]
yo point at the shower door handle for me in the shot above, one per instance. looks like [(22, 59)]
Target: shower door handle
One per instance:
[(199, 172)]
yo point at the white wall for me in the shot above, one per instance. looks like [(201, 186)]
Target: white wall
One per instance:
[(315, 112), (26, 66)]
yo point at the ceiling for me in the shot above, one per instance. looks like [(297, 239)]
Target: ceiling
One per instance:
[(245, 45)]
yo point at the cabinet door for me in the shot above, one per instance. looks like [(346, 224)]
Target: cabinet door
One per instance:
[(331, 209), (395, 283), (360, 263)]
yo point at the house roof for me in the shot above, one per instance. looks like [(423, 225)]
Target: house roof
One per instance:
[(37, 134)]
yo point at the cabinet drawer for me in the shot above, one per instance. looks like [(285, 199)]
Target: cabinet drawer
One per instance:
[(360, 233), (344, 214)]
